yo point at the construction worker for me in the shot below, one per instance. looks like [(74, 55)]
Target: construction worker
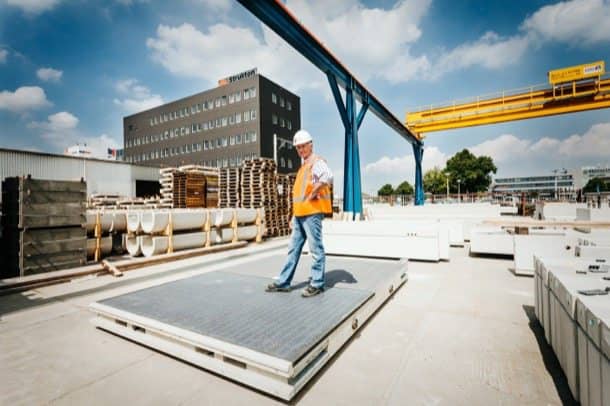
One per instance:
[(311, 200)]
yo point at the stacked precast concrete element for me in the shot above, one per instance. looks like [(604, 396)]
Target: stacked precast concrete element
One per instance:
[(164, 231), (106, 231), (572, 303)]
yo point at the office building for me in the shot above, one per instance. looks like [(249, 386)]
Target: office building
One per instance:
[(245, 116)]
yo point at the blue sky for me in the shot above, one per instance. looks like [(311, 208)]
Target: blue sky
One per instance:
[(70, 70)]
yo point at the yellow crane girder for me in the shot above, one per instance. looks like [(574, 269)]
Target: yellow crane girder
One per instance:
[(562, 98)]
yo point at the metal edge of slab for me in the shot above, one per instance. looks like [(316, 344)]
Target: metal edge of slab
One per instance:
[(260, 371)]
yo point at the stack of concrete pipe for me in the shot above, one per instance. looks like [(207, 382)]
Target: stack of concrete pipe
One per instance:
[(150, 234), (111, 222)]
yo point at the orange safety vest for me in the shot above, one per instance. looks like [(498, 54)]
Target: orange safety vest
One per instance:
[(303, 185)]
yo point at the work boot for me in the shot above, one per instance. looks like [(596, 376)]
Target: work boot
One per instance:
[(310, 291), (274, 287)]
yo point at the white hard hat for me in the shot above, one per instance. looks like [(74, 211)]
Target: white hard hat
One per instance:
[(301, 137)]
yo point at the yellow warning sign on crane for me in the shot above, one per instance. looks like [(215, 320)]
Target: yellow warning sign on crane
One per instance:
[(577, 72)]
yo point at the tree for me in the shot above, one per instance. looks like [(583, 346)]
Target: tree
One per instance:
[(473, 172), (596, 185), (404, 188), (435, 181), (386, 190)]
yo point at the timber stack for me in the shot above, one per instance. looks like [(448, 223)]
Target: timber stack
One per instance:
[(189, 186), (42, 225)]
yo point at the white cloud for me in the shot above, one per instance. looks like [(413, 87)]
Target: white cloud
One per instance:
[(23, 99), (49, 74), (137, 97), (219, 5), (33, 6), (490, 51), (61, 121), (575, 21), (3, 55), (398, 169), (503, 148), (61, 131), (186, 51)]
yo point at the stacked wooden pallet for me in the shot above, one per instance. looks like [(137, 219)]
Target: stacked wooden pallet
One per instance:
[(167, 186), (229, 188), (42, 225), (285, 183), (259, 190)]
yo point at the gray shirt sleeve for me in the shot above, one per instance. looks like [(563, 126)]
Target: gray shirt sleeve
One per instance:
[(321, 172)]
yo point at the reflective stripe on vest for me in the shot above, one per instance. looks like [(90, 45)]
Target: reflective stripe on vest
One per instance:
[(302, 188)]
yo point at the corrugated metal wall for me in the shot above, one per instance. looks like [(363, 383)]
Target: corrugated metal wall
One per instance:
[(102, 177)]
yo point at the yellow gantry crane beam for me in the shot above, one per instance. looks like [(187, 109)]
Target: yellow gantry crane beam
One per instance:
[(557, 98)]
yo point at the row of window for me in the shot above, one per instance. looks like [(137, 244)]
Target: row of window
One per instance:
[(206, 145), (281, 122), (204, 106), (234, 160), (283, 103), (193, 128)]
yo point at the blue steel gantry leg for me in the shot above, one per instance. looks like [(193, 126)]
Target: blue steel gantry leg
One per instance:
[(352, 189), (418, 152)]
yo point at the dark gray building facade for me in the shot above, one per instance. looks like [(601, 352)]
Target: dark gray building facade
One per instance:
[(246, 116)]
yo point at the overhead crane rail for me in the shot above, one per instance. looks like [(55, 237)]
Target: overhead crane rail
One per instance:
[(532, 102)]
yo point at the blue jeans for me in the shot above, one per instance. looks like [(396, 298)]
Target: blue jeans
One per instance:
[(310, 228)]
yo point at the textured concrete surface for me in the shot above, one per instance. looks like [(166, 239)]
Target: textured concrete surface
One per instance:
[(459, 333)]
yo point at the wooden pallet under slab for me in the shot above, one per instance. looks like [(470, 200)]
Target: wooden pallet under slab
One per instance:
[(213, 328)]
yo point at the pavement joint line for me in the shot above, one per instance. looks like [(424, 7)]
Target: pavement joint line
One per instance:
[(100, 378)]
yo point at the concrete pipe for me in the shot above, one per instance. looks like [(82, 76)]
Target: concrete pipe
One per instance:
[(105, 220), (221, 235), (133, 245), (224, 217), (119, 222), (105, 245), (157, 221), (133, 221), (155, 245), (247, 233)]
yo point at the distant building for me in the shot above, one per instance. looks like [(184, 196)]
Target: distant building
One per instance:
[(590, 172), (556, 185), (78, 151), (246, 116)]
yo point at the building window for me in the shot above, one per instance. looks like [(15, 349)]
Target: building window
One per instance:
[(282, 162), (282, 102), (246, 138), (253, 114), (273, 98), (237, 118), (274, 119), (289, 124), (246, 116), (238, 139), (224, 100), (290, 164), (246, 94), (218, 143), (224, 121), (206, 145), (231, 119), (205, 126), (186, 111), (217, 102), (232, 98), (237, 96), (282, 123), (225, 141), (288, 105), (253, 92), (225, 162), (253, 136), (232, 140), (211, 124)]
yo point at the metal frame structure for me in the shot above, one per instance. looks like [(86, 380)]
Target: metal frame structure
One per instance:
[(564, 98), (277, 17)]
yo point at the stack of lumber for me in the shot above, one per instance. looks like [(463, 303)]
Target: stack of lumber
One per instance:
[(194, 186), (229, 188), (42, 225), (139, 203), (98, 201)]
